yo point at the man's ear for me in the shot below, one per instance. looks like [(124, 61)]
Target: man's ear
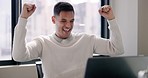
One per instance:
[(53, 19)]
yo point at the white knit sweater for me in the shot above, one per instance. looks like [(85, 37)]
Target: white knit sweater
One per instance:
[(64, 58)]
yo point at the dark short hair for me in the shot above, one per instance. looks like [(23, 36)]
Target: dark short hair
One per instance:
[(62, 6)]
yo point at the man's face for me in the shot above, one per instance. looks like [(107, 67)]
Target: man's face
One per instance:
[(64, 23)]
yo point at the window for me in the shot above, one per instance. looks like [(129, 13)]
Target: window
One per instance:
[(5, 30), (40, 22)]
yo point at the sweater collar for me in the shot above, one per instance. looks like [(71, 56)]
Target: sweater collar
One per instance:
[(60, 40)]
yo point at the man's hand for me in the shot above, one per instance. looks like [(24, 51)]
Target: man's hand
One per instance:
[(28, 10), (107, 12)]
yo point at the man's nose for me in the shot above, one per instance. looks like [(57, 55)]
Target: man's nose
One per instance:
[(68, 24)]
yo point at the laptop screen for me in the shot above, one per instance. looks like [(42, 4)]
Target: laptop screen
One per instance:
[(115, 67)]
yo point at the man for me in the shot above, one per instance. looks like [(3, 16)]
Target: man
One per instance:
[(64, 54)]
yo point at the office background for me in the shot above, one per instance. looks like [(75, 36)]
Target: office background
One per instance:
[(132, 18)]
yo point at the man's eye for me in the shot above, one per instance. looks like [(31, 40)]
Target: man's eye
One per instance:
[(71, 21)]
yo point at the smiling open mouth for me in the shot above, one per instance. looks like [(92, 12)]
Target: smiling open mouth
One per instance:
[(66, 29)]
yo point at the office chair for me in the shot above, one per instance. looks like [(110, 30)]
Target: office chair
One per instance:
[(39, 69)]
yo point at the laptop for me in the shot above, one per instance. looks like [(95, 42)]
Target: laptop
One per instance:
[(116, 67)]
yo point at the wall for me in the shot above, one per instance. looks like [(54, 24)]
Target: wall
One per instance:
[(24, 71), (126, 12), (132, 17), (142, 27)]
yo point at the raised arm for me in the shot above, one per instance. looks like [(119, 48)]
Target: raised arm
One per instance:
[(23, 51), (113, 45)]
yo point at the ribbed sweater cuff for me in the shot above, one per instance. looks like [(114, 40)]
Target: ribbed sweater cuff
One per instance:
[(22, 22)]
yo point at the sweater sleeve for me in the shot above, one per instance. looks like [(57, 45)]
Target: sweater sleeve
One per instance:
[(23, 51), (113, 45)]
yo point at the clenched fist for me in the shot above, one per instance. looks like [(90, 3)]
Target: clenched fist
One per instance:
[(28, 10), (107, 12)]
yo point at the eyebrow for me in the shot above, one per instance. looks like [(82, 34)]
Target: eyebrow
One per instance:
[(70, 20)]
